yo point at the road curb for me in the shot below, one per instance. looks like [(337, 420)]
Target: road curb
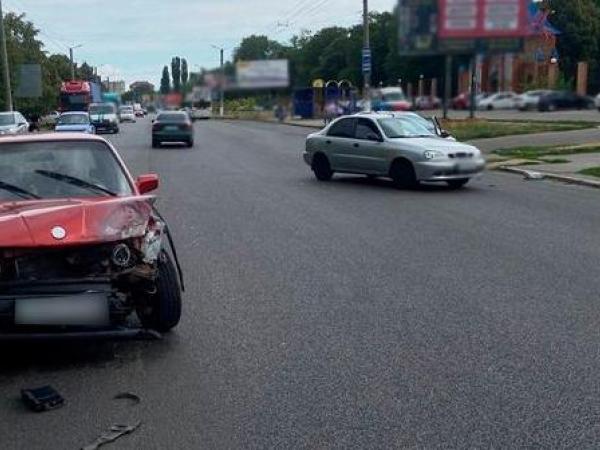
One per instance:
[(274, 122), (551, 176)]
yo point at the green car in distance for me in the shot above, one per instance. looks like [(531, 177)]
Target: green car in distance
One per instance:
[(172, 127)]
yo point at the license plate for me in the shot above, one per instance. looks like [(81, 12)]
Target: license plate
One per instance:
[(171, 128), (89, 309), (465, 168)]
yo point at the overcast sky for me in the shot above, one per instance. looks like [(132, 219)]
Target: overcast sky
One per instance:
[(134, 39)]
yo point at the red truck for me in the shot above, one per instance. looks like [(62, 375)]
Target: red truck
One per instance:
[(77, 95)]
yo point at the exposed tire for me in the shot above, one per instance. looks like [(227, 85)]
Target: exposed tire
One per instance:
[(457, 184), (403, 174), (551, 107), (162, 312), (490, 107), (155, 143), (321, 167), (190, 143)]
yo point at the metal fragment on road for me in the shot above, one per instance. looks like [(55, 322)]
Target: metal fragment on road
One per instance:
[(533, 175), (115, 432)]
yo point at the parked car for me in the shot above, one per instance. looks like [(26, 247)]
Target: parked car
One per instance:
[(75, 122), (126, 114), (104, 117), (564, 100), (389, 99), (12, 123), (50, 119), (530, 99), (397, 146), (172, 126), (463, 100), (499, 100), (82, 247), (428, 102)]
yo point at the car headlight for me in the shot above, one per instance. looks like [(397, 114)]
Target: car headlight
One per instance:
[(433, 154)]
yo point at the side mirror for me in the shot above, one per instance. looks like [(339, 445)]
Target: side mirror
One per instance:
[(445, 134), (147, 183), (373, 137)]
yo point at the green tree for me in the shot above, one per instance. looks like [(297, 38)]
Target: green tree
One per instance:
[(257, 47), (184, 72), (176, 73), (85, 72), (165, 81), (579, 24)]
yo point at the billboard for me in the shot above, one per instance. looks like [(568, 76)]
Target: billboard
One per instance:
[(429, 27), (479, 19), (263, 74), (29, 83)]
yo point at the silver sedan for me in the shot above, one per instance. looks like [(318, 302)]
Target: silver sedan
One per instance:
[(402, 146)]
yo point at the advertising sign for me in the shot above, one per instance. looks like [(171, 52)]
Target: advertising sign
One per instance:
[(428, 27), (480, 19), (366, 60), (417, 27), (29, 81), (263, 74)]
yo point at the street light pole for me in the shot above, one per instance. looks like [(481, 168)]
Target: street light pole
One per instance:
[(367, 47), (222, 101), (6, 69)]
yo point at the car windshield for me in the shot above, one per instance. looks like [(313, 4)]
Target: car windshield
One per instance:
[(62, 169), (102, 109), (126, 110), (74, 119), (172, 117), (406, 127), (7, 119)]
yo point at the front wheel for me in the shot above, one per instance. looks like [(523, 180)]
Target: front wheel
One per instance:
[(322, 168), (162, 311), (190, 143), (457, 184), (403, 174), (155, 143)]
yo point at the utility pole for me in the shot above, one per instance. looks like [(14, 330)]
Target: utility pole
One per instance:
[(366, 51), (72, 60), (6, 69), (222, 84), (72, 63)]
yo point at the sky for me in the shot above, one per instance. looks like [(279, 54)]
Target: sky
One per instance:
[(134, 39)]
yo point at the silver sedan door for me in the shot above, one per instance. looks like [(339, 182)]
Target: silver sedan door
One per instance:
[(339, 143)]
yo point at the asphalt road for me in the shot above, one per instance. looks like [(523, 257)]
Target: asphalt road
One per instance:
[(341, 315)]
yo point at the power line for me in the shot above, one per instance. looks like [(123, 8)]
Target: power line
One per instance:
[(310, 12)]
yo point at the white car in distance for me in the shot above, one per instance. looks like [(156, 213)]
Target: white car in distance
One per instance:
[(499, 100)]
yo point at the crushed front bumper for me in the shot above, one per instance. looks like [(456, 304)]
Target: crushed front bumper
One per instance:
[(447, 170), (64, 310)]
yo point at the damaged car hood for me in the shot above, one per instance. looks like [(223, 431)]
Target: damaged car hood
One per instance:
[(54, 223)]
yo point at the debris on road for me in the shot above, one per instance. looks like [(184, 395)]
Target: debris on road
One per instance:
[(128, 396), (115, 432), (534, 175), (42, 399)]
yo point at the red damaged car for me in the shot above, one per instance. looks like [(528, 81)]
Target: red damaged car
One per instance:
[(83, 250)]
